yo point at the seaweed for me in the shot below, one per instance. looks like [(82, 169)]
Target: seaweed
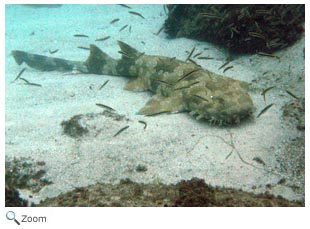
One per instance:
[(240, 28), (73, 127), (12, 198), (25, 173), (186, 193)]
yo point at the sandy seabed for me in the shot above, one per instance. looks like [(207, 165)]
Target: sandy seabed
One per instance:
[(173, 147)]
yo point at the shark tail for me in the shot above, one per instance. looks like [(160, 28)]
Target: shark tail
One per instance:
[(45, 63)]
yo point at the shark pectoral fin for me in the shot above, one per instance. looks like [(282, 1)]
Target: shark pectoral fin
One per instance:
[(160, 104), (138, 84)]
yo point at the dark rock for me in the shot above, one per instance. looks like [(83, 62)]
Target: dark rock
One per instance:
[(240, 28)]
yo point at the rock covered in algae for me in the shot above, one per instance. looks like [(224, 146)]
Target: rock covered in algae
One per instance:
[(241, 28), (189, 193)]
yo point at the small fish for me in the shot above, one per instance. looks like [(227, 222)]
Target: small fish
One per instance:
[(265, 91), (80, 35), (181, 88), (19, 74), (198, 54), (257, 26), (164, 82), (142, 42), (263, 11), (103, 84), (222, 66), (104, 106), (185, 87), (267, 54), (124, 27), (194, 83), (29, 83), (114, 20), (205, 58), (202, 98), (34, 84), (265, 73), (158, 32), (274, 41), (209, 15), (264, 110), (291, 94), (227, 68), (254, 34), (124, 54), (145, 124), (23, 79), (120, 131), (187, 74), (161, 112), (129, 29), (103, 39), (192, 61), (259, 160), (81, 47), (124, 5), (235, 30), (52, 52), (136, 13), (191, 53), (270, 45)]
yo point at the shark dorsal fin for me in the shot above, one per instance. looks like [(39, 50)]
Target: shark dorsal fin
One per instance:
[(96, 60), (128, 50)]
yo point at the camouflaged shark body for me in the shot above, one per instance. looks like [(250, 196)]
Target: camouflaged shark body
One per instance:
[(177, 85)]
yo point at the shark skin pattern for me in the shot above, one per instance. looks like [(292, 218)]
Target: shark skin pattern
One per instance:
[(178, 86)]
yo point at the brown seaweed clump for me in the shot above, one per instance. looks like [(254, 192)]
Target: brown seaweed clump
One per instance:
[(23, 173), (196, 193), (73, 127), (190, 193), (12, 198), (240, 28)]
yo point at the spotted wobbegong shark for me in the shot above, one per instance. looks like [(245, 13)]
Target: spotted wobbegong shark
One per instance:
[(178, 86)]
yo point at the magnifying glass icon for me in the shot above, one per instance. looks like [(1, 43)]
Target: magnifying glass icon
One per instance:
[(11, 216)]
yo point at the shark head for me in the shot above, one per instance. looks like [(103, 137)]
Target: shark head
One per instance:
[(219, 100)]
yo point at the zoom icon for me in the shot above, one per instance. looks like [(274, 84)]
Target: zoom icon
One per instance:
[(10, 215)]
